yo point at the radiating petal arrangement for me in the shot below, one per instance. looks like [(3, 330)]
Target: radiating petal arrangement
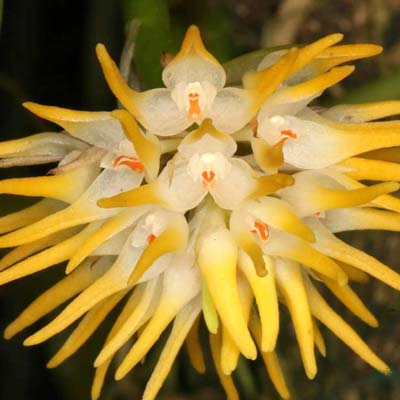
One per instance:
[(204, 204)]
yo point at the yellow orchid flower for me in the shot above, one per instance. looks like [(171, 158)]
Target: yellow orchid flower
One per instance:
[(225, 224)]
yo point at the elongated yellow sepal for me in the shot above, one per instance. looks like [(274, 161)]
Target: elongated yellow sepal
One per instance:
[(291, 286), (321, 310), (217, 259), (209, 312), (268, 184), (194, 349), (319, 339)]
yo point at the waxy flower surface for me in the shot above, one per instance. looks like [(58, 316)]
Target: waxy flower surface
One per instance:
[(200, 203)]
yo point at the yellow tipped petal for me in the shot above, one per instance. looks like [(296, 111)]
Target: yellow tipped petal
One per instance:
[(391, 154), (173, 239), (319, 339), (29, 215), (350, 299), (142, 195), (291, 286), (217, 258), (194, 349), (21, 252), (132, 322), (162, 317), (229, 350), (268, 184), (101, 371), (271, 360), (264, 290), (87, 326), (363, 112), (321, 310), (226, 380), (354, 274), (373, 170), (209, 311), (66, 187), (110, 228), (118, 86), (55, 296), (47, 258), (182, 325), (110, 283), (147, 147)]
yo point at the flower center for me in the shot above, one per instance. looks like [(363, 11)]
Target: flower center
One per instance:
[(208, 167), (132, 163), (148, 229), (194, 96), (276, 131), (261, 229)]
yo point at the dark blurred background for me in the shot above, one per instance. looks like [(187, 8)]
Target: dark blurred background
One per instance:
[(47, 55)]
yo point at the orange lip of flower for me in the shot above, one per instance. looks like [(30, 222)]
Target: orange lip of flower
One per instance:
[(261, 229), (131, 162), (208, 178), (194, 106), (288, 134), (150, 238)]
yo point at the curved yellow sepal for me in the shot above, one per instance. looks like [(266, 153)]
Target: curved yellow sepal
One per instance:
[(193, 347), (319, 339), (209, 312), (268, 184), (321, 310), (269, 158), (147, 147)]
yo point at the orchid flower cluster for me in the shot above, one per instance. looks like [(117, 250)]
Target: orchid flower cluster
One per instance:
[(200, 203)]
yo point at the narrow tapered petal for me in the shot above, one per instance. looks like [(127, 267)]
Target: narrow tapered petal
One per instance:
[(321, 310), (87, 326), (182, 325), (217, 258), (194, 349), (65, 289), (226, 380), (264, 289), (291, 286)]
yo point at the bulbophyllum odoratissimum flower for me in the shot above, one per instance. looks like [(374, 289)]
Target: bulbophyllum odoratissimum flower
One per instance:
[(184, 228)]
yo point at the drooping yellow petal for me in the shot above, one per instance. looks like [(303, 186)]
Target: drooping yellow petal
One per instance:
[(217, 259), (229, 350), (147, 147), (264, 290), (390, 154), (21, 252), (319, 339), (350, 299), (182, 325), (47, 258), (226, 380), (363, 112), (113, 281), (29, 215), (291, 285), (87, 326), (354, 274), (373, 170), (270, 359), (321, 310), (193, 347), (101, 371), (65, 289), (148, 299), (209, 312), (172, 240), (110, 228), (66, 187)]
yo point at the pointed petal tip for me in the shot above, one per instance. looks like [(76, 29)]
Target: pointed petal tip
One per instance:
[(8, 333)]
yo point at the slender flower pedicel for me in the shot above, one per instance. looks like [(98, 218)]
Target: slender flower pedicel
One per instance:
[(153, 206)]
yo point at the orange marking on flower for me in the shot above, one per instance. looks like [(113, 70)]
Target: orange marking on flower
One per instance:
[(150, 238), (287, 133), (208, 178), (131, 162), (261, 230), (194, 106)]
